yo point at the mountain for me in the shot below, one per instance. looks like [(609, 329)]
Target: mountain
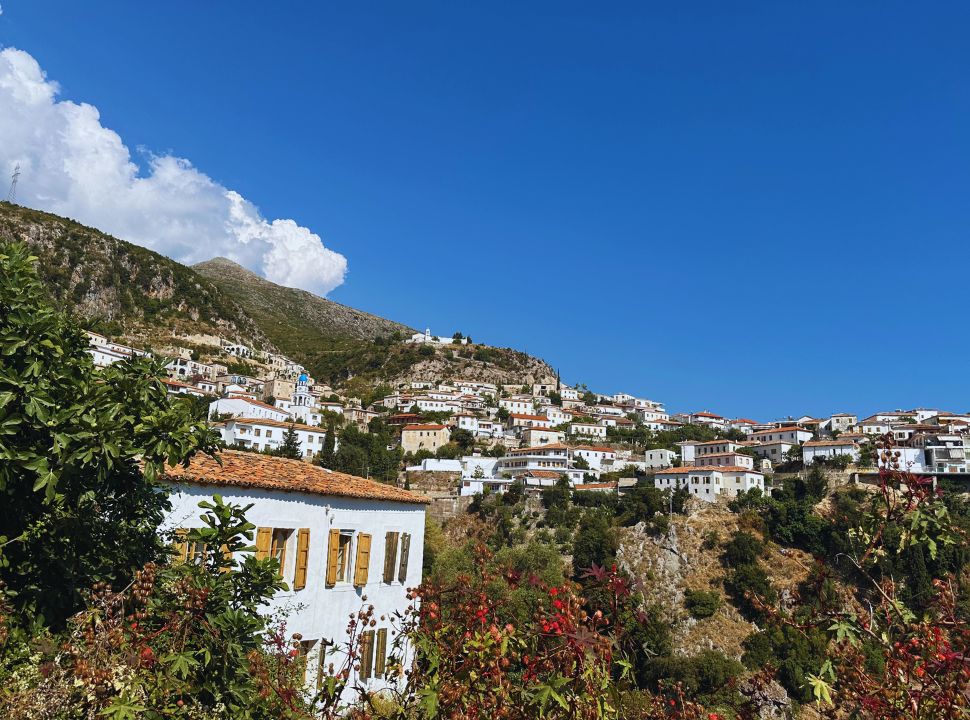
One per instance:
[(134, 294), (121, 288), (292, 317)]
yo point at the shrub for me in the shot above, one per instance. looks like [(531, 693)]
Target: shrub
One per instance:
[(743, 549), (701, 603)]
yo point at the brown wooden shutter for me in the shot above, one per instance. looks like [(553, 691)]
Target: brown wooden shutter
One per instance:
[(302, 558), (264, 538), (333, 548), (366, 654), (362, 563), (390, 556), (402, 570), (181, 546), (380, 653)]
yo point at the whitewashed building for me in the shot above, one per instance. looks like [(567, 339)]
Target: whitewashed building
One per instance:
[(268, 435), (709, 482), (245, 407), (343, 543), (828, 449), (587, 429)]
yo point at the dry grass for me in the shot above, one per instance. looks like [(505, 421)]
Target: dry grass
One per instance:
[(668, 567)]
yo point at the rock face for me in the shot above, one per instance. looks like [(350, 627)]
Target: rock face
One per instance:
[(100, 277), (767, 700), (259, 297)]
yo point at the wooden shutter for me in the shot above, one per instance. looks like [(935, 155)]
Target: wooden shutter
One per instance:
[(264, 538), (366, 654), (362, 563), (333, 547), (402, 570), (380, 653), (302, 556), (390, 555), (181, 546)]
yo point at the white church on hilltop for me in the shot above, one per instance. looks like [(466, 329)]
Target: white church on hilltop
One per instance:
[(426, 338)]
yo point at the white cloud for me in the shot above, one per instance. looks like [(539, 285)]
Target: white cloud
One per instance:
[(72, 165)]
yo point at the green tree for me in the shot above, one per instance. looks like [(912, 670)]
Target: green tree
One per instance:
[(290, 447), (327, 454), (81, 449), (596, 542)]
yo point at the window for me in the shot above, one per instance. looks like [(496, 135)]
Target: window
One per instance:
[(257, 432), (339, 561)]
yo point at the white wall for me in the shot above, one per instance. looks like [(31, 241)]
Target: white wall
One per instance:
[(316, 611)]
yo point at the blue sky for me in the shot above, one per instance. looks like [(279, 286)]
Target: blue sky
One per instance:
[(757, 208)]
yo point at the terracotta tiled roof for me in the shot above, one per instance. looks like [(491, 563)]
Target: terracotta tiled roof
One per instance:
[(746, 421), (252, 470), (521, 416), (530, 450), (543, 474), (277, 424), (254, 402), (722, 441), (704, 468), (424, 427), (787, 428), (708, 415), (594, 486), (828, 443)]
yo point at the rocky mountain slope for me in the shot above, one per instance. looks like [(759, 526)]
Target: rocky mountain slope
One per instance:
[(134, 294), (121, 288)]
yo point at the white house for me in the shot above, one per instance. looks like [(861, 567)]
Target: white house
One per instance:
[(660, 458), (343, 543), (790, 434), (263, 434), (534, 436), (244, 407), (518, 404), (828, 449), (708, 482), (595, 457), (588, 429)]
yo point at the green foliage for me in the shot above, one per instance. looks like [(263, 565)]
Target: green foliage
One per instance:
[(81, 451), (290, 447), (596, 542), (701, 603), (185, 640), (742, 549), (366, 454), (700, 675)]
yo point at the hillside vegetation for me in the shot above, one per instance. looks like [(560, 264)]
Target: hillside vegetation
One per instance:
[(121, 288), (134, 294)]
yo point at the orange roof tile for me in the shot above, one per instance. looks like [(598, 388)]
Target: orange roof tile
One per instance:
[(787, 428), (594, 449), (252, 470), (277, 423), (704, 468), (526, 451), (521, 416), (255, 402), (425, 427)]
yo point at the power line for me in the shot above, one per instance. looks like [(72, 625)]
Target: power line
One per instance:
[(12, 195)]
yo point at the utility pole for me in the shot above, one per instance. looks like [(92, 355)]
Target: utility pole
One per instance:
[(12, 194)]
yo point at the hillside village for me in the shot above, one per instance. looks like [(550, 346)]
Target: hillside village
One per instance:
[(465, 437)]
